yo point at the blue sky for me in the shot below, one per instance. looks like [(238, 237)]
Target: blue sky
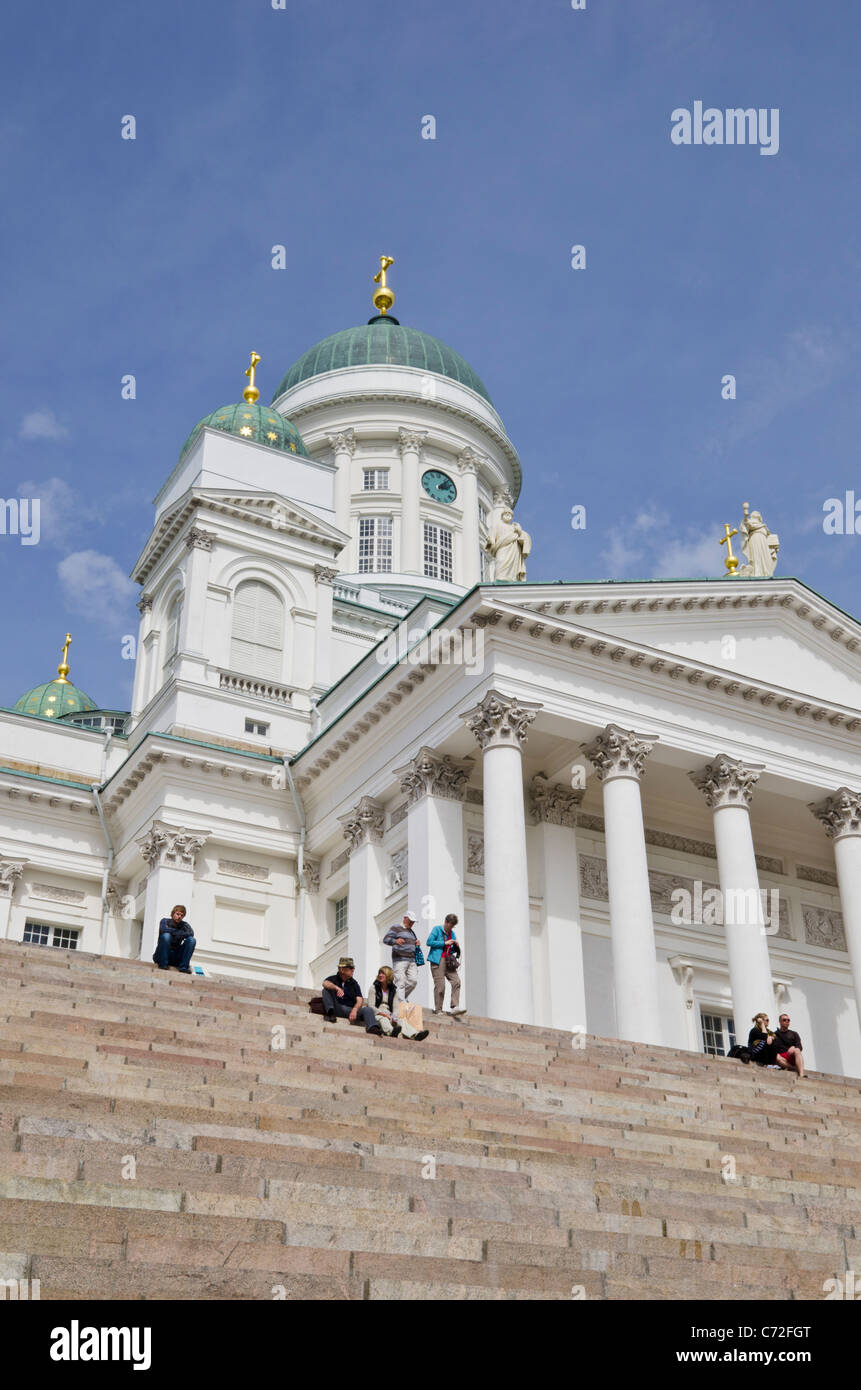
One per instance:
[(303, 127)]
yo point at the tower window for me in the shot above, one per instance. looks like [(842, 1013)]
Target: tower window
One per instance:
[(375, 544), (375, 479), (257, 639), (437, 552), (254, 726), (172, 639)]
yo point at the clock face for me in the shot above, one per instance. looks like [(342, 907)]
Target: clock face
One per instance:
[(439, 486)]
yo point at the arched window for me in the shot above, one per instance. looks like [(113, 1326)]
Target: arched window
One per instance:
[(171, 640), (257, 639)]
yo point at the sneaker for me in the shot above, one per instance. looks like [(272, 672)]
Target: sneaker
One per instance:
[(396, 1030), (164, 967), (455, 1012), (420, 1037), (331, 1016), (184, 969), (376, 1029)]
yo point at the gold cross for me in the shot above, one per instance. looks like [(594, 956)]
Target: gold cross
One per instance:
[(380, 277), (251, 394), (731, 562)]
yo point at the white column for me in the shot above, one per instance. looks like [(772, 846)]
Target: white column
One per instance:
[(10, 873), (171, 853), (323, 629), (192, 623), (618, 756), (363, 827), (436, 786), (841, 816), (470, 555), (412, 548), (343, 446), (555, 808), (500, 723), (727, 784), (143, 662)]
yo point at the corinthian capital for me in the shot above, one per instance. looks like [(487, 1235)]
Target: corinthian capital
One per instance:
[(411, 440), (430, 774), (324, 575), (198, 539), (500, 721), (343, 441), (553, 803), (364, 824), (145, 604), (619, 752), (469, 460), (310, 878), (10, 872), (840, 814), (727, 782), (173, 846)]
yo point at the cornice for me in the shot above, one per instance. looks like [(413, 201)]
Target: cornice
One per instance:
[(201, 760), (555, 631), (270, 513)]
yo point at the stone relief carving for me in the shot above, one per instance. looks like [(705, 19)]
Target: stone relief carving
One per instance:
[(171, 845), (59, 895), (309, 881), (474, 853), (364, 824), (237, 869), (554, 803), (396, 873), (823, 926), (10, 872), (813, 875)]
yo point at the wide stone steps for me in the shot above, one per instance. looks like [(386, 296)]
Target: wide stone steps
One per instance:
[(164, 1136)]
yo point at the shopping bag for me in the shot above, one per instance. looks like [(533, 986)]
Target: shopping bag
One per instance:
[(410, 1013)]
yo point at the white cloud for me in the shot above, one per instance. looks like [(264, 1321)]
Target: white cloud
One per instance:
[(648, 546), (94, 584), (41, 424), (63, 510)]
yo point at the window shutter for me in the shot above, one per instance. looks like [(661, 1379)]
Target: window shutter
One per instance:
[(256, 647)]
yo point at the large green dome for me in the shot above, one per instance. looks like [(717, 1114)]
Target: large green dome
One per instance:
[(382, 340), (251, 421), (53, 699)]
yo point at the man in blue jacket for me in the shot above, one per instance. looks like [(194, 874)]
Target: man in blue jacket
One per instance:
[(444, 957), (176, 942)]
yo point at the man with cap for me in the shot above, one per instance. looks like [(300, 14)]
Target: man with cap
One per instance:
[(342, 998), (404, 944)]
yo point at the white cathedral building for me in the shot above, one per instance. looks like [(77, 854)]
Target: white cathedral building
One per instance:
[(341, 712)]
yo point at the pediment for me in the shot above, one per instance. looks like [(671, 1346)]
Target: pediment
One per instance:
[(780, 633)]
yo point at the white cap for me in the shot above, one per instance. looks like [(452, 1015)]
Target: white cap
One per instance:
[(412, 916)]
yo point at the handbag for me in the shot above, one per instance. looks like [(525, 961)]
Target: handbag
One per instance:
[(420, 960)]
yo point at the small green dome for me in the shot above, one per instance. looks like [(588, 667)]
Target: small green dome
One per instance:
[(382, 340), (258, 422), (53, 699)]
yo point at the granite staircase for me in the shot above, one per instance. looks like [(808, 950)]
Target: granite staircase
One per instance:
[(171, 1137)]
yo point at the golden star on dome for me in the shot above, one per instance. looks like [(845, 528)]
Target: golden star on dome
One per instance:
[(246, 429), (271, 435), (293, 447)]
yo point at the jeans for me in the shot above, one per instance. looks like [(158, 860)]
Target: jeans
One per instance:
[(445, 969), (365, 1015), (406, 974), (167, 954)]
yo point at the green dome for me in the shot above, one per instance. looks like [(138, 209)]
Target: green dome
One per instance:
[(382, 340), (258, 422), (55, 698)]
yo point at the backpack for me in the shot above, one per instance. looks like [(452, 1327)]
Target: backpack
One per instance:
[(741, 1054)]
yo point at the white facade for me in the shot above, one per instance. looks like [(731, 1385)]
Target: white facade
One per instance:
[(574, 769)]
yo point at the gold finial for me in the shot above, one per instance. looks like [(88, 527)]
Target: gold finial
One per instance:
[(251, 394), (383, 298), (731, 562), (63, 668)]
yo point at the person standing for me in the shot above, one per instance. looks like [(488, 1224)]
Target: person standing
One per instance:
[(789, 1052), (404, 944), (444, 957), (176, 942)]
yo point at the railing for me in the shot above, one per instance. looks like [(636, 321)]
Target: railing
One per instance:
[(255, 687)]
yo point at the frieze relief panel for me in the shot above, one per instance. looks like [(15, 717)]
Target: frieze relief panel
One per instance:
[(823, 926), (57, 895), (236, 869), (813, 875), (474, 852)]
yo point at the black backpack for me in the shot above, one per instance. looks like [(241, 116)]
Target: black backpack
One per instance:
[(741, 1054)]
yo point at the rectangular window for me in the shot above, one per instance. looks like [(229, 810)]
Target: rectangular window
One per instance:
[(340, 916), (438, 552), (254, 726), (375, 479), (718, 1034), (375, 544), (38, 934)]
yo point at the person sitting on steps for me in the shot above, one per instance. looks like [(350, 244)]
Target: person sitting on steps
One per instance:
[(383, 1002), (176, 942), (760, 1041), (789, 1053), (342, 998)]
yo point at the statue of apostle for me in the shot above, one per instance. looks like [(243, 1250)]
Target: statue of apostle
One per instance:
[(759, 546), (509, 545)]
